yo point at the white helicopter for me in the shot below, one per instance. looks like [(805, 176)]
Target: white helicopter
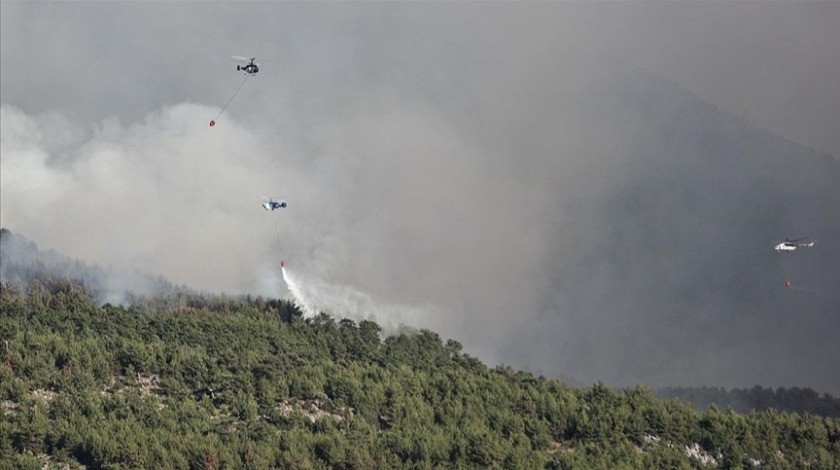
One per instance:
[(271, 204), (791, 245), (250, 66)]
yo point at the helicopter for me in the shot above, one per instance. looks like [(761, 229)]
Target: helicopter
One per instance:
[(271, 204), (790, 245), (250, 67)]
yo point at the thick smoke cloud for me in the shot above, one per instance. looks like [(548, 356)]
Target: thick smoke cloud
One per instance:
[(520, 173), (165, 194)]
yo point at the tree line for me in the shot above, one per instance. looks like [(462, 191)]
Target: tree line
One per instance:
[(757, 398)]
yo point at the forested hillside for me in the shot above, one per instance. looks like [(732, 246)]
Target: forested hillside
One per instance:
[(743, 400), (184, 381)]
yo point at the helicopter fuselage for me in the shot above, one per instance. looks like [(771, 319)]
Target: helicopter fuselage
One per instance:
[(250, 68), (272, 205)]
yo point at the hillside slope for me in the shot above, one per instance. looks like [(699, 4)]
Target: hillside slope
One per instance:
[(191, 382), (666, 272)]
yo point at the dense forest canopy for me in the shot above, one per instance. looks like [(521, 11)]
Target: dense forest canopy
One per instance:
[(186, 381), (182, 379)]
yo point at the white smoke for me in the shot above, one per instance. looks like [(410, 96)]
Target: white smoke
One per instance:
[(314, 296), (167, 195), (483, 158)]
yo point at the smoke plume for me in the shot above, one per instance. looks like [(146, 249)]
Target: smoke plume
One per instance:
[(589, 191)]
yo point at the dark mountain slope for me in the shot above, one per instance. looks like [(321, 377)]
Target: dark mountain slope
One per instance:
[(664, 271)]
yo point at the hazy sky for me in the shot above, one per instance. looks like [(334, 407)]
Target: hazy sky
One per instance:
[(435, 155)]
